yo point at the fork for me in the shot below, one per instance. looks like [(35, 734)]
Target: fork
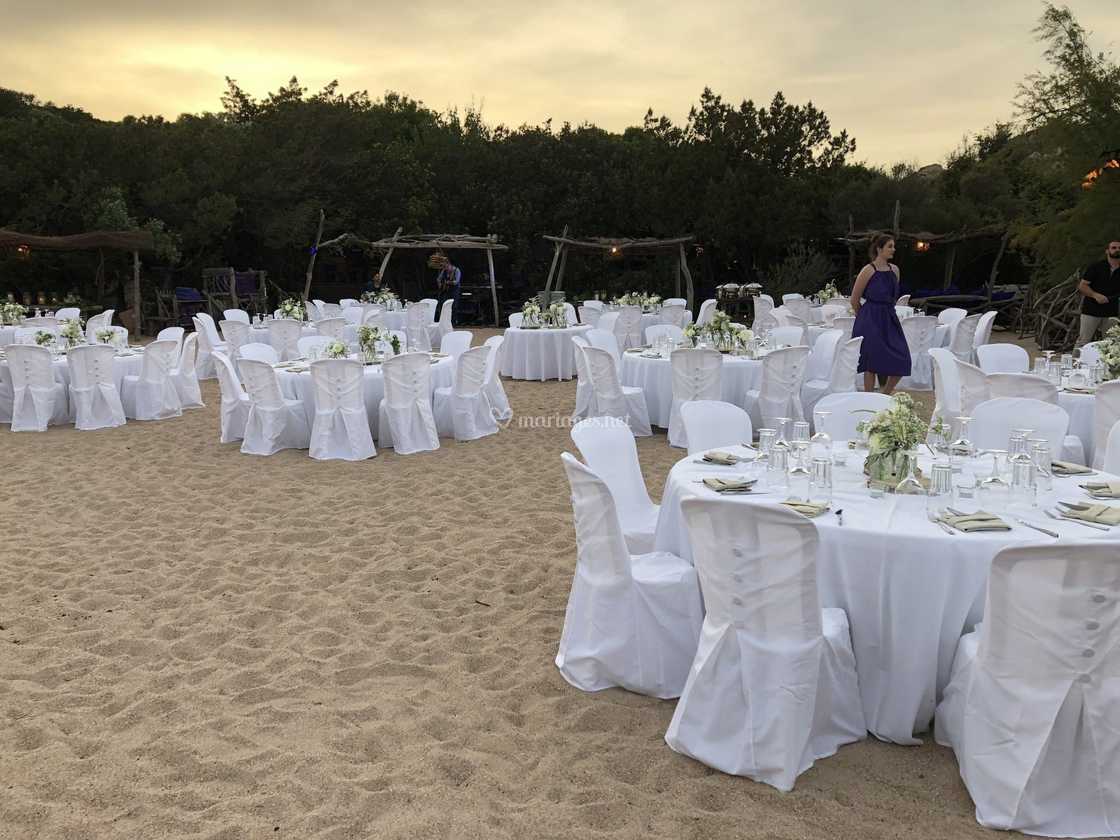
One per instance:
[(941, 525), (1063, 518), (1038, 528)]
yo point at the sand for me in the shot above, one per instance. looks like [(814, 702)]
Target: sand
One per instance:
[(199, 643)]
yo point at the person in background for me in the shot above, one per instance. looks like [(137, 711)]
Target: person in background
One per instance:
[(884, 351), (448, 279), (1100, 294), (373, 284)]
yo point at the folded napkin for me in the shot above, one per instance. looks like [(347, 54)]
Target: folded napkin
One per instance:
[(979, 521), (1102, 489), (809, 509), (1073, 389), (729, 485), (1067, 468), (1101, 514), (725, 459)]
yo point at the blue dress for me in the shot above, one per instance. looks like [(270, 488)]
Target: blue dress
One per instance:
[(884, 350)]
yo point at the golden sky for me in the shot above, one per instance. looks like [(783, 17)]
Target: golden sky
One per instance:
[(907, 79)]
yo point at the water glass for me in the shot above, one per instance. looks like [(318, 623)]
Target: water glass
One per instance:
[(1067, 361), (777, 469), (766, 439), (1039, 366), (940, 494), (1040, 454), (1022, 481), (820, 481), (800, 432)]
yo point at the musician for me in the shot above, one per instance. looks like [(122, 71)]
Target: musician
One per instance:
[(448, 279)]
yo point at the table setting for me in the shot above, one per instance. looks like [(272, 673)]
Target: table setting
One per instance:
[(541, 348)]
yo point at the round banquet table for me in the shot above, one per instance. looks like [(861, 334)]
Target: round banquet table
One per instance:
[(295, 384), (260, 334), (128, 364), (540, 353), (910, 590), (655, 377), (1080, 408)]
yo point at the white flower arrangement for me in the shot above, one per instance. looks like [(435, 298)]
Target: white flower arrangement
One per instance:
[(291, 308), (745, 335), (1109, 349), (12, 312), (828, 292), (642, 299), (106, 336), (335, 350), (557, 315), (531, 312), (720, 330), (385, 297), (71, 331), (43, 338)]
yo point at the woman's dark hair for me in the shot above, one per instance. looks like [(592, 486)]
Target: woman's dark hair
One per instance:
[(877, 242)]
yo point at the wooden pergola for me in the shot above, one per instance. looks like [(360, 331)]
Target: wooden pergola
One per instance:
[(120, 240), (614, 246)]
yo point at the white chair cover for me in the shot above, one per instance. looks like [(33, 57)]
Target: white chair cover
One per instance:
[(607, 321), (589, 315), (841, 375), (628, 327), (1003, 358), (1022, 385), (595, 304), (341, 427), (984, 329), (206, 346), (175, 334), (710, 424), (844, 323), (37, 399), (1090, 354), (101, 321), (608, 448), (445, 318), (463, 411), (903, 301), (570, 314), (353, 315), (846, 411), (284, 335), (259, 352), (235, 402), (94, 399), (612, 399), (334, 310), (779, 393), (672, 315), (516, 319), (315, 310), (821, 355), (696, 376), (763, 307), (184, 376), (605, 340), (67, 313), (370, 311), (236, 334), (345, 302), (456, 343), (309, 345), (1111, 462), (789, 336), (919, 332), (120, 335), (495, 392), (585, 391), (707, 308), (334, 328), (405, 420), (773, 686), (676, 302), (993, 421), (151, 395), (274, 423), (951, 315), (1106, 413), (973, 385), (417, 318), (786, 298), (963, 332), (946, 388), (675, 334), (632, 621), (431, 303), (1032, 709), (236, 315), (798, 307)]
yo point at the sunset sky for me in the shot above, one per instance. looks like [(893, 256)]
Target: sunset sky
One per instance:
[(907, 80)]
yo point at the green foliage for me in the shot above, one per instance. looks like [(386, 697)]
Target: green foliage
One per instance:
[(802, 271)]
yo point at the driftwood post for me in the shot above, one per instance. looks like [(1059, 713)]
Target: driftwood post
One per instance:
[(389, 253), (995, 264), (557, 248), (677, 285), (897, 215), (314, 253), (493, 285), (560, 270), (136, 293), (233, 288), (949, 263), (687, 277)]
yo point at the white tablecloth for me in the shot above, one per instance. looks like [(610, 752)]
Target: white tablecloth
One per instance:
[(1080, 408), (540, 354), (655, 377), (260, 334), (296, 385), (910, 590), (7, 336)]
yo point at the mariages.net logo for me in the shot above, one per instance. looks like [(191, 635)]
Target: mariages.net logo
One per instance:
[(555, 421)]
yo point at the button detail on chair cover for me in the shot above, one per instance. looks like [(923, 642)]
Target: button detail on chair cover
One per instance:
[(1098, 599), (1088, 653), (1084, 678), (1092, 625)]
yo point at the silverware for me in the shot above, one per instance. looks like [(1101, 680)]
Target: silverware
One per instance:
[(1074, 505), (840, 518), (943, 526), (1060, 517), (1038, 528)]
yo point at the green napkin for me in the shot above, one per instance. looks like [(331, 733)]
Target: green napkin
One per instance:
[(1073, 389), (725, 459), (1101, 514), (1066, 468), (729, 485), (979, 521), (1102, 489), (809, 509)]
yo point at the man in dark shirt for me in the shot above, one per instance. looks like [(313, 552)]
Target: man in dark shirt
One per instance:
[(1100, 290), (448, 279)]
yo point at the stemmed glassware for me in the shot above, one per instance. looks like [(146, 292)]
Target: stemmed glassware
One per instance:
[(994, 490), (765, 446), (820, 444), (910, 485), (962, 446)]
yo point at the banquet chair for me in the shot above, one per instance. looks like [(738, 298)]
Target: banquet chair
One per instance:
[(962, 334), (334, 310), (1090, 355), (613, 399), (352, 315), (589, 316), (151, 394), (371, 314), (798, 307), (1003, 358), (711, 424), (95, 401), (950, 316), (632, 620), (786, 298), (844, 323), (120, 336), (984, 326), (993, 421), (656, 331), (417, 319), (919, 332), (274, 422), (405, 420), (672, 315), (340, 429), (236, 334), (762, 309), (314, 309), (606, 323), (608, 448), (789, 336), (697, 375), (184, 375), (284, 335), (676, 301), (100, 321), (1106, 412), (1022, 385), (768, 298), (585, 391), (68, 313), (516, 319), (444, 325), (822, 354), (846, 411), (310, 345), (1111, 462), (334, 328), (38, 400), (207, 344), (946, 389), (903, 301), (628, 327), (456, 343), (462, 411), (773, 686), (431, 304), (841, 375), (570, 314), (765, 323), (495, 392), (973, 384), (343, 303), (779, 393), (236, 315), (595, 304), (260, 352), (1032, 707), (830, 312), (234, 401), (26, 335), (5, 395), (43, 322), (706, 310), (605, 340), (175, 334)]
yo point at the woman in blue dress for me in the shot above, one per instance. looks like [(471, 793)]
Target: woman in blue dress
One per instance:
[(884, 352)]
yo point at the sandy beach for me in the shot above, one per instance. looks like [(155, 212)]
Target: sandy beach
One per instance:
[(200, 643)]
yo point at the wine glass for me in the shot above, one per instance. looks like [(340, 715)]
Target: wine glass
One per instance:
[(910, 485), (994, 490)]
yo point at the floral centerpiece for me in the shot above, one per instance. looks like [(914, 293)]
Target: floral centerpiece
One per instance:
[(369, 337), (1109, 349), (556, 315), (43, 338), (71, 332), (721, 332), (335, 350), (531, 313), (645, 300), (828, 292), (384, 297), (892, 434), (106, 336), (12, 312), (291, 308)]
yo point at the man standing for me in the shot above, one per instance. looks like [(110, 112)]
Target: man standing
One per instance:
[(1100, 289), (448, 280)]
